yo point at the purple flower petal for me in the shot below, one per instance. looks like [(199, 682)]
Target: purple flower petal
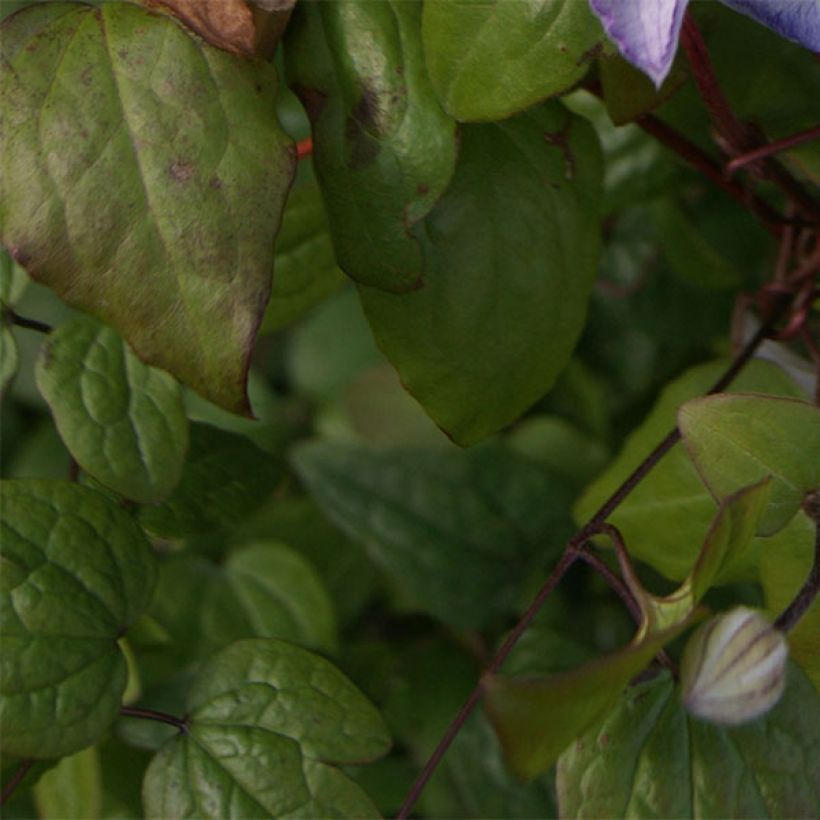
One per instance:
[(797, 20), (645, 31)]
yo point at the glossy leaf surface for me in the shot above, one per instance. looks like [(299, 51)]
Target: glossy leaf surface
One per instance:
[(123, 421), (455, 531), (648, 759), (736, 439), (150, 203), (512, 249), (489, 59), (76, 573), (266, 721), (224, 478), (664, 519), (383, 149)]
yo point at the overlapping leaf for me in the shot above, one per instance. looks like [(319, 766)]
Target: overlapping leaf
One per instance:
[(143, 178), (489, 59), (664, 518), (735, 439), (264, 590), (122, 420), (383, 148), (225, 477), (456, 532), (76, 572), (512, 249), (306, 269), (649, 759), (266, 722), (537, 718)]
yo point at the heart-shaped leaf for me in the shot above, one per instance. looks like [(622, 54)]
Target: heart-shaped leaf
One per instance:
[(123, 421), (489, 59), (383, 148), (224, 478), (143, 178), (455, 531), (263, 590), (266, 721), (736, 439), (649, 759), (664, 518), (511, 250), (76, 572)]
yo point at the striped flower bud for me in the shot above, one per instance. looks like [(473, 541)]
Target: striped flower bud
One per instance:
[(734, 668)]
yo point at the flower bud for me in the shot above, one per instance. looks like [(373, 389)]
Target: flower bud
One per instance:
[(734, 668)]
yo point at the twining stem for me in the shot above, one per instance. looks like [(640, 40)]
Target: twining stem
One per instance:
[(152, 714), (737, 138), (14, 781), (22, 321), (572, 551), (775, 147), (702, 162), (788, 619)]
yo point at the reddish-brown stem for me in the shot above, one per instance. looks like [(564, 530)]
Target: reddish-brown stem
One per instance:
[(701, 161), (784, 144), (572, 552), (14, 781), (807, 594), (152, 714), (73, 469), (735, 136)]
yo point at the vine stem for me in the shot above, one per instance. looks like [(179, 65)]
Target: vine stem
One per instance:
[(735, 135), (572, 551), (31, 324), (15, 780), (788, 619), (153, 714), (775, 147)]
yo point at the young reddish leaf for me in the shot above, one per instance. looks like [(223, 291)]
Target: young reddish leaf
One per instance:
[(143, 178)]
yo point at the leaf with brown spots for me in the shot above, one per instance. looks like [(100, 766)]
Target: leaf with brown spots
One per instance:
[(143, 175)]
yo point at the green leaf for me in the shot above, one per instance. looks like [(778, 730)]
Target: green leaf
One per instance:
[(13, 280), (73, 789), (383, 149), (734, 440), (455, 531), (265, 721), (726, 545), (9, 357), (305, 266), (663, 520), (224, 478), (691, 255), (122, 421), (264, 590), (77, 572), (512, 249), (537, 718), (489, 59), (649, 759), (785, 562), (151, 203), (346, 571)]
